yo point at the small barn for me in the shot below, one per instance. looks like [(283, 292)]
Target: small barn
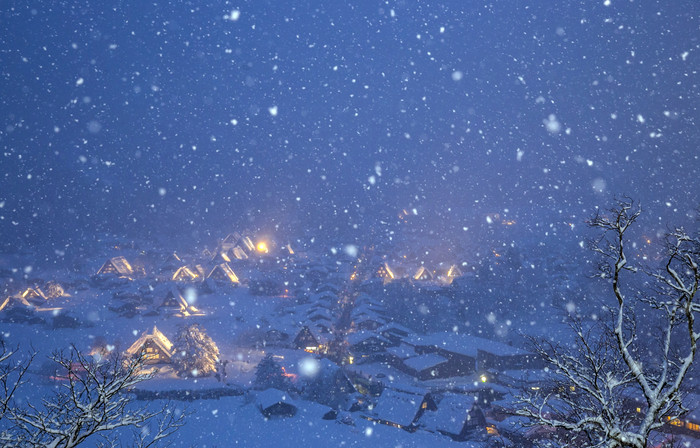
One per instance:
[(157, 348), (118, 266), (275, 403)]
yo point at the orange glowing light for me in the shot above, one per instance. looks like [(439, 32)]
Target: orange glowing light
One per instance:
[(262, 247)]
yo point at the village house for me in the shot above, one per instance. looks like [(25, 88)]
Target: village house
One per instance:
[(172, 262), (457, 416), (401, 408), (222, 273), (275, 403), (310, 341), (118, 266), (365, 343), (156, 348), (469, 354), (186, 274), (423, 274), (34, 295), (174, 301), (394, 332)]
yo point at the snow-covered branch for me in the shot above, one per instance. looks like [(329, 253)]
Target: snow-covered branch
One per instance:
[(94, 401), (603, 394)]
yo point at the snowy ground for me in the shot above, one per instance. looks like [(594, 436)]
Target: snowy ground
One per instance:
[(235, 421)]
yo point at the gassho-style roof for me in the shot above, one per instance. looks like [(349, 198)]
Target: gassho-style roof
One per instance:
[(398, 407), (116, 265), (451, 415), (155, 337), (223, 272)]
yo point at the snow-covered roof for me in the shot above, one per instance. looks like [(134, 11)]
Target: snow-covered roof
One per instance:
[(362, 336), (464, 344), (223, 272), (423, 362), (451, 414), (270, 397), (403, 351), (154, 336), (397, 407), (324, 296), (368, 318), (185, 273), (394, 328), (11, 302)]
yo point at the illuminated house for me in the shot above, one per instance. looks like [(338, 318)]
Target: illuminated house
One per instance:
[(157, 349), (185, 274), (223, 273), (117, 266), (237, 253), (423, 274), (236, 240), (385, 272), (309, 341), (16, 303), (174, 301), (689, 424), (220, 256), (34, 295), (452, 273)]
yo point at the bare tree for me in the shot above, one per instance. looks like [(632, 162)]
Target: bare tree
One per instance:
[(12, 374), (94, 401), (605, 394)]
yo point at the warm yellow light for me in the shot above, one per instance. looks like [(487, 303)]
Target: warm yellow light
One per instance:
[(262, 247), (483, 378)]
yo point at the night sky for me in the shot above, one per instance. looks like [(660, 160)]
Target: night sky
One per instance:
[(322, 119)]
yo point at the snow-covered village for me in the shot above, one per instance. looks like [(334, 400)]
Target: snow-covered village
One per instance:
[(442, 223), (337, 348)]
